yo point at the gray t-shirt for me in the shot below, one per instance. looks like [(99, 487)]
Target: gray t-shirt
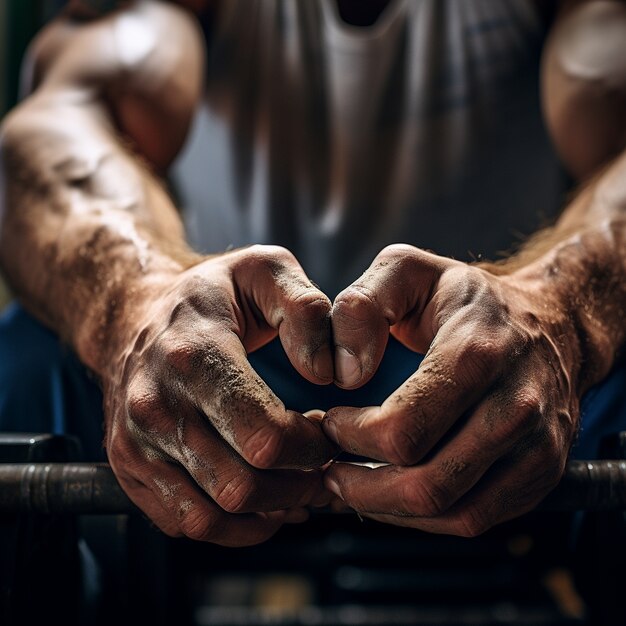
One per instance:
[(335, 140)]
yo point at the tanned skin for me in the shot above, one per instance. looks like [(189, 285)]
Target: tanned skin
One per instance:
[(94, 248)]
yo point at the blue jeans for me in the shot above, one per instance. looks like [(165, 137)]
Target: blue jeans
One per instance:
[(44, 388)]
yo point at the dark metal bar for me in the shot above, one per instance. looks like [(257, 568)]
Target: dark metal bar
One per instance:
[(591, 486), (61, 488), (74, 488)]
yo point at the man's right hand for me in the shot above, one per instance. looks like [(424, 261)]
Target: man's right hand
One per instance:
[(94, 247), (194, 436)]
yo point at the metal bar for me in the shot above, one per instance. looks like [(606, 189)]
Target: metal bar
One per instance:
[(590, 486), (61, 488), (75, 488)]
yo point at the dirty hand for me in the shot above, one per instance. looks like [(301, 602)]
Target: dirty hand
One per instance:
[(481, 432), (194, 436)]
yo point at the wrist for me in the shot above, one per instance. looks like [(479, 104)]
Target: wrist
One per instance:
[(116, 317), (580, 319)]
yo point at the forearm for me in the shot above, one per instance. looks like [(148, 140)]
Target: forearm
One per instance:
[(85, 227), (581, 263)]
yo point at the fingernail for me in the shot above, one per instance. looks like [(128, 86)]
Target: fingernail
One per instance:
[(322, 364), (331, 485), (330, 430), (347, 367), (314, 414)]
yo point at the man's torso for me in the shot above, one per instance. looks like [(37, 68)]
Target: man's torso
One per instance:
[(335, 140)]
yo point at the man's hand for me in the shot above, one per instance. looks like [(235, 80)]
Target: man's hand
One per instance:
[(193, 434), (481, 432), (94, 248)]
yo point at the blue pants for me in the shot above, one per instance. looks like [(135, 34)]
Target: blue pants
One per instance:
[(44, 388)]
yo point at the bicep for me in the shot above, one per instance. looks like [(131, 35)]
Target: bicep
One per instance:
[(584, 85), (60, 160), (143, 64)]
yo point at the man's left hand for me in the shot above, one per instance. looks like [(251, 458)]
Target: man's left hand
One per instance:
[(481, 432)]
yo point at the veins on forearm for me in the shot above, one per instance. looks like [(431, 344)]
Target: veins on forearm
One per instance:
[(589, 272), (81, 233), (579, 265)]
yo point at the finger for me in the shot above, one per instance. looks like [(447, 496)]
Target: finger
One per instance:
[(256, 424), (511, 488), (273, 280), (212, 372), (179, 508), (399, 281), (499, 424), (458, 370), (233, 484)]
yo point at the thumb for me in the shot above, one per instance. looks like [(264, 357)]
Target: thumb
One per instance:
[(273, 280), (398, 284)]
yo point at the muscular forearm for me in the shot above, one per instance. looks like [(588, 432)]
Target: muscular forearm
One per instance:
[(95, 249), (85, 224), (580, 264), (85, 227)]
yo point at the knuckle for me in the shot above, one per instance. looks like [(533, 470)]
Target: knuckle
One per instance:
[(313, 305), (481, 355), (270, 255), (129, 456), (182, 356), (118, 446), (473, 522), (263, 449), (234, 495), (552, 446), (121, 454), (144, 409), (426, 499), (273, 252), (198, 524), (356, 303), (529, 409), (400, 446)]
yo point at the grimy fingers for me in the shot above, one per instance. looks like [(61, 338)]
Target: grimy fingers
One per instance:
[(271, 279), (179, 508), (232, 483), (509, 489), (212, 371), (451, 379), (432, 487), (399, 282)]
